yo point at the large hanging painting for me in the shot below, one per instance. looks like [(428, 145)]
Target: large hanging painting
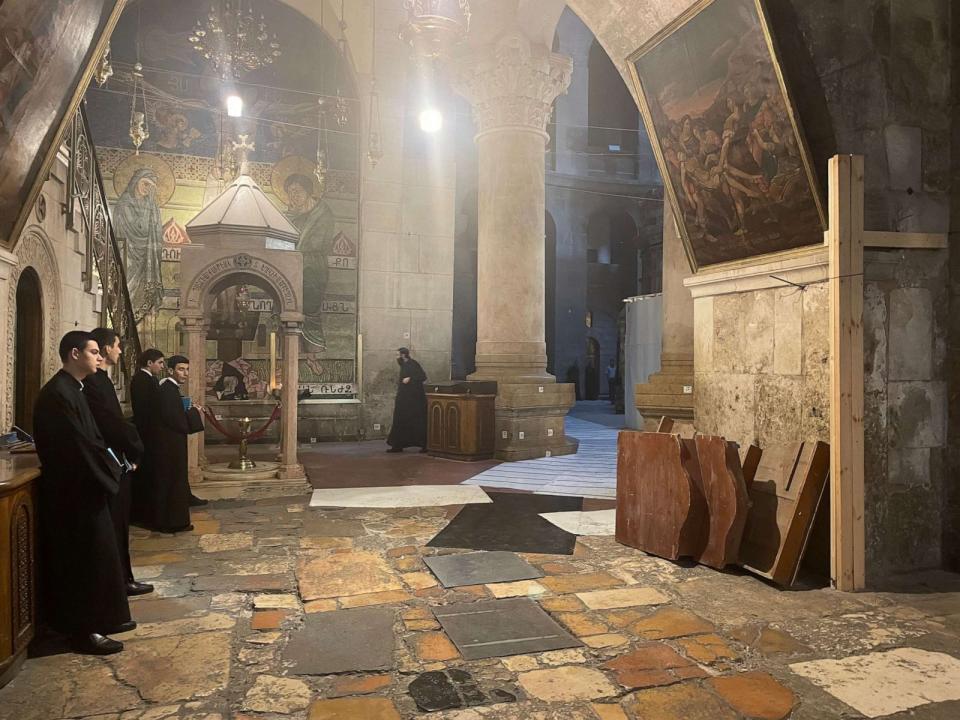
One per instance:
[(726, 136), (47, 48)]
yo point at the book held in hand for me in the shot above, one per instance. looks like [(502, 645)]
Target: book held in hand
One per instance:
[(187, 403)]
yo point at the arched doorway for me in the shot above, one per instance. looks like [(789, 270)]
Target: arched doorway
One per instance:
[(28, 350)]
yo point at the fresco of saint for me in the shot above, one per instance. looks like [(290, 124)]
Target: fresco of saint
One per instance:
[(314, 219), (136, 219)]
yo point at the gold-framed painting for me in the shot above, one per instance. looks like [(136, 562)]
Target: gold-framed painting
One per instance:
[(726, 135), (48, 51)]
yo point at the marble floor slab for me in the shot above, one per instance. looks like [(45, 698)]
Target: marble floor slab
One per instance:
[(888, 682), (480, 568), (593, 522), (591, 472), (511, 523), (342, 641), (497, 628), (406, 496)]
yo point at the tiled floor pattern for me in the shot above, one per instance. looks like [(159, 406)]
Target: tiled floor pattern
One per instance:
[(222, 638), (591, 472)]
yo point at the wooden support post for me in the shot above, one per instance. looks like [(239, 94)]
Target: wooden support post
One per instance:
[(845, 241)]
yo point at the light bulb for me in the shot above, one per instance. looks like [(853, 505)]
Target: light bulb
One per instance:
[(235, 106), (431, 120)]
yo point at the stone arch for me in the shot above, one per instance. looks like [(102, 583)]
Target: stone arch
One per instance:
[(35, 251), (239, 269)]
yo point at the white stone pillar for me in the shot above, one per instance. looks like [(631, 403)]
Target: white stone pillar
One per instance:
[(196, 331), (511, 85), (290, 466), (670, 391)]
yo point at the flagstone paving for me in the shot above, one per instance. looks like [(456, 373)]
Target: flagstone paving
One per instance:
[(228, 635)]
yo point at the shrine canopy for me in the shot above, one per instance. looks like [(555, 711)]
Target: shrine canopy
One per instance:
[(243, 214)]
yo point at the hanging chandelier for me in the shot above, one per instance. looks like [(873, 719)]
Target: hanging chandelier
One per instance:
[(234, 40), (433, 27)]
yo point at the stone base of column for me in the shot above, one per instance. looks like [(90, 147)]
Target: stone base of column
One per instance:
[(268, 479), (529, 420), (667, 392)]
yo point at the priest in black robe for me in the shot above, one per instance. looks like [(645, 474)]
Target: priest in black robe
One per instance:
[(82, 588), (409, 427), (165, 504), (122, 437)]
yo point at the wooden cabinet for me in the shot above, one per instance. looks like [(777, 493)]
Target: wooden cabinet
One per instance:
[(461, 420), (18, 560)]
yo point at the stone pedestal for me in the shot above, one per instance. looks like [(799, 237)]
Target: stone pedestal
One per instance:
[(512, 85), (670, 391)]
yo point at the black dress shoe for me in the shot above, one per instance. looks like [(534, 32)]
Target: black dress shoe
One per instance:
[(196, 502), (96, 644), (393, 449), (138, 588), (123, 627)]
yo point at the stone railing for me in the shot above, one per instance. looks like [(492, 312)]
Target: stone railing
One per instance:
[(88, 214)]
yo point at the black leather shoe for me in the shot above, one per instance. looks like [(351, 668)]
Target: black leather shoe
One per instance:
[(123, 627), (393, 449), (196, 502), (138, 588), (96, 644)]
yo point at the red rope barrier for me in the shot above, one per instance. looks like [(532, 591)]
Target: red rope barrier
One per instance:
[(233, 437)]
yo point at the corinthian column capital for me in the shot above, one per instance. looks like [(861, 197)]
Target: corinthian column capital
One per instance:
[(512, 84)]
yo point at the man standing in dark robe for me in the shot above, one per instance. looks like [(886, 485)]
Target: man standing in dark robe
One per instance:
[(121, 437), (144, 393), (167, 497), (82, 586), (409, 427)]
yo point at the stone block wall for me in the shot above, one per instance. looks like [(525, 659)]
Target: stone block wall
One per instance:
[(905, 315), (761, 358)]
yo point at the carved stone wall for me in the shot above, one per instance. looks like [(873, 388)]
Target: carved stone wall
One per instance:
[(34, 250)]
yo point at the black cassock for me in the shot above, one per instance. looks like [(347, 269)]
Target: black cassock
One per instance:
[(162, 494), (122, 437), (81, 580), (409, 427)]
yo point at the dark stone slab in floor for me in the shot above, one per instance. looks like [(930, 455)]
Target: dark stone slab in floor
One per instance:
[(324, 527), (243, 583), (511, 522), (495, 628), (480, 568), (453, 688), (342, 641)]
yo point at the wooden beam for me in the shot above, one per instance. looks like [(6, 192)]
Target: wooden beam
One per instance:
[(845, 241), (907, 240)]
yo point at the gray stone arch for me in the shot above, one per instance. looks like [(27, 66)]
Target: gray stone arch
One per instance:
[(35, 251)]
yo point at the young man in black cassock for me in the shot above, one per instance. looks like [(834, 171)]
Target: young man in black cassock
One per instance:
[(82, 588), (164, 498), (144, 393), (409, 427), (122, 437)]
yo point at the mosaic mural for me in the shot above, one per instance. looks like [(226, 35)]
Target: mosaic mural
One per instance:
[(188, 159)]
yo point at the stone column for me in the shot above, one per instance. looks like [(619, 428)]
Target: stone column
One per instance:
[(512, 85), (196, 332), (290, 466), (670, 391)]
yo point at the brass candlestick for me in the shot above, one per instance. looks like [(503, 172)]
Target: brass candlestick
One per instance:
[(243, 462)]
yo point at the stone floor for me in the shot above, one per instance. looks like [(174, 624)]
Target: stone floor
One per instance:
[(660, 640)]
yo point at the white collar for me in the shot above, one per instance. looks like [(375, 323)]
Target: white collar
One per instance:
[(146, 371), (169, 379)]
